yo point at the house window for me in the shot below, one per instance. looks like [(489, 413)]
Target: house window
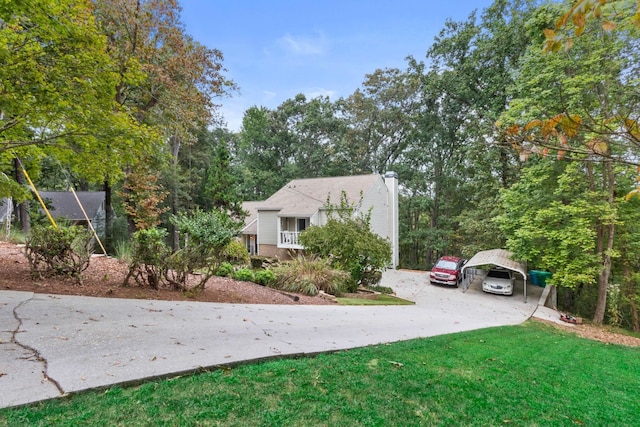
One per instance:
[(302, 224)]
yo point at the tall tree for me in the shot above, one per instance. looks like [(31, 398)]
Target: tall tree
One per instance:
[(219, 187), (313, 130), (565, 105), (57, 85), (55, 78), (265, 154), (379, 118), (167, 79), (454, 146)]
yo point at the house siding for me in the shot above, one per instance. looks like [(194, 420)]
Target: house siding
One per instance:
[(268, 228), (303, 199), (376, 199)]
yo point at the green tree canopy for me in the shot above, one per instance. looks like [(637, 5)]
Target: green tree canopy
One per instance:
[(57, 86)]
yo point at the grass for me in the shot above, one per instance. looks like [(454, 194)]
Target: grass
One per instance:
[(378, 299), (525, 375)]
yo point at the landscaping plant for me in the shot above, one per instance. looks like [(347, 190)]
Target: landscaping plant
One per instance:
[(243, 274), (309, 275), (204, 236), (224, 270), (235, 253), (59, 251), (264, 277), (148, 257), (346, 240)]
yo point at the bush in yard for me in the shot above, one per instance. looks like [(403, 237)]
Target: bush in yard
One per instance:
[(224, 270), (308, 275), (264, 277), (59, 251), (244, 274), (236, 253), (149, 253), (350, 245), (204, 236)]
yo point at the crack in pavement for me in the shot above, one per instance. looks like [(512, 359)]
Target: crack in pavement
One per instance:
[(35, 353)]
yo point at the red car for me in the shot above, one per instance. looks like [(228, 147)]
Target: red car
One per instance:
[(447, 271)]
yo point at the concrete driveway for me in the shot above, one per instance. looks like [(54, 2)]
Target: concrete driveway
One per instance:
[(51, 345)]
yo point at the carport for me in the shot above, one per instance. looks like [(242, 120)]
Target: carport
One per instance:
[(498, 257)]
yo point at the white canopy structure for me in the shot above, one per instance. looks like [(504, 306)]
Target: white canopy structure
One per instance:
[(501, 258)]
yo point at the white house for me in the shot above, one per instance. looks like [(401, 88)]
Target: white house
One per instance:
[(273, 226)]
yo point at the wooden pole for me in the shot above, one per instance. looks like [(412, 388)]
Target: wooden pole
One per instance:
[(104, 251), (33, 187)]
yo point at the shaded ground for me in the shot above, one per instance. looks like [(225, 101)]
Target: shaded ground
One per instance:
[(105, 276)]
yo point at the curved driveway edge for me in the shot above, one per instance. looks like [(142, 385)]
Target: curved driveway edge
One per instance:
[(52, 344)]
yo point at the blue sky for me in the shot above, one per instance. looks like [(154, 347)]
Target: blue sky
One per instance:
[(275, 49)]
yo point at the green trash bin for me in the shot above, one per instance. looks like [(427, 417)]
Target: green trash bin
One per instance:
[(543, 276), (539, 278)]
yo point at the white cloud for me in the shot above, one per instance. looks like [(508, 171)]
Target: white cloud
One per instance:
[(268, 96), (318, 91), (302, 45)]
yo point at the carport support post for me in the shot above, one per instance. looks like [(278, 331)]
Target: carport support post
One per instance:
[(525, 289)]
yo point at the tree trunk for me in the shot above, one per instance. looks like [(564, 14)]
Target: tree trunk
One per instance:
[(608, 233), (630, 294), (108, 216), (175, 150), (22, 209)]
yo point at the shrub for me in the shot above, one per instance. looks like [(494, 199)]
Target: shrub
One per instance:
[(235, 253), (224, 270), (61, 251), (351, 247), (308, 275), (244, 274), (264, 277), (204, 236), (149, 254)]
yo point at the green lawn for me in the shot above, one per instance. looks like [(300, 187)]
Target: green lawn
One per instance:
[(526, 375), (377, 299)]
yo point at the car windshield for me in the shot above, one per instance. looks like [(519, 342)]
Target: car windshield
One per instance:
[(446, 265), (499, 274)]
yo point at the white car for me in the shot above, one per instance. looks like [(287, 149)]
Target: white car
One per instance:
[(499, 281)]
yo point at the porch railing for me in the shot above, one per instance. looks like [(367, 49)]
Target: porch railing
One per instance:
[(289, 239)]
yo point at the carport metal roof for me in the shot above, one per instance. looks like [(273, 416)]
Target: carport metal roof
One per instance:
[(501, 258)]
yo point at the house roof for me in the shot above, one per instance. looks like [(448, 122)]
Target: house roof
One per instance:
[(64, 204), (303, 197), (251, 220)]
